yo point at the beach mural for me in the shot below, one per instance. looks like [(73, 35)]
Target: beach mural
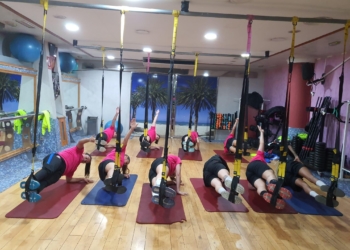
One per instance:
[(201, 94), (9, 91)]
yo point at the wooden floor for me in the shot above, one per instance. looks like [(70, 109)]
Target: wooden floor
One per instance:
[(98, 227)]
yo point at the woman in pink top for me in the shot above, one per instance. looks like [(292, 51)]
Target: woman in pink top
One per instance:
[(173, 170), (59, 164), (106, 167), (152, 136), (107, 134), (230, 142)]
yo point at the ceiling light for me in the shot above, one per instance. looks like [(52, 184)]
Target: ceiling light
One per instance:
[(72, 27), (245, 55), (278, 39), (110, 57), (59, 17), (206, 74), (142, 32), (148, 50), (334, 43), (210, 36)]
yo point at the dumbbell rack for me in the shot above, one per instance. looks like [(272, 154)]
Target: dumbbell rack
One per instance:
[(219, 121)]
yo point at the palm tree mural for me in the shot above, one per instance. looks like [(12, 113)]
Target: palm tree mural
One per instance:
[(135, 101), (9, 89), (197, 93)]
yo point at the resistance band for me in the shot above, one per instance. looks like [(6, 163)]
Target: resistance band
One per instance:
[(338, 147), (170, 81), (45, 4), (242, 114), (101, 138), (117, 175), (284, 142), (144, 143)]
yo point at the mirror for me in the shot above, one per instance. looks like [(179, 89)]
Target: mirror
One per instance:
[(70, 98), (17, 92)]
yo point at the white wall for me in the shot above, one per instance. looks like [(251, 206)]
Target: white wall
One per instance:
[(90, 96), (26, 94), (230, 90)]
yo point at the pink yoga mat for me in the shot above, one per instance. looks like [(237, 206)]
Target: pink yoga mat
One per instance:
[(154, 153), (194, 156), (228, 157)]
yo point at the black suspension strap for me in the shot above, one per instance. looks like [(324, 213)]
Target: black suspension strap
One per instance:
[(170, 82), (45, 4), (101, 138), (144, 143), (241, 123), (338, 147), (284, 142)]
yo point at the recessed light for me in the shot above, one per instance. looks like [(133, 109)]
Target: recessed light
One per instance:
[(278, 39), (296, 31), (59, 17), (334, 43), (149, 50), (245, 55), (72, 27), (210, 36), (206, 74), (110, 57), (142, 32)]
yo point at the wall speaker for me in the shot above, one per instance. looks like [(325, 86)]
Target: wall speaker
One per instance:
[(307, 71)]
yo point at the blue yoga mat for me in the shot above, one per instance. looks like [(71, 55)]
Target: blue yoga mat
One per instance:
[(305, 204), (98, 196)]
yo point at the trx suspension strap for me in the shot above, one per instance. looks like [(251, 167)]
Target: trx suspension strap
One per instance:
[(284, 142), (241, 123), (191, 109), (45, 4), (101, 138), (170, 82), (117, 175), (144, 143), (337, 149)]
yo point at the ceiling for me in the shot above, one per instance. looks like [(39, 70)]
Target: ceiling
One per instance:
[(102, 28)]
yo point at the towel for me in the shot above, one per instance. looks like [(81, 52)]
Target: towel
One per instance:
[(17, 124), (45, 117)]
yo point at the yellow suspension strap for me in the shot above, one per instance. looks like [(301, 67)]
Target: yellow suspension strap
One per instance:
[(176, 15), (191, 109), (101, 138), (27, 184), (331, 197), (144, 143), (242, 117), (284, 142), (117, 175)]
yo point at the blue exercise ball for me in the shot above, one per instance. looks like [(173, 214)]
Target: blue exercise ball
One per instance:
[(108, 124), (67, 62), (25, 48)]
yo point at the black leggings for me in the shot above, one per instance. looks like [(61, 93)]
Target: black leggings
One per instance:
[(52, 170)]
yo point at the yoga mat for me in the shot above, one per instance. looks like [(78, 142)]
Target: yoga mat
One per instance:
[(54, 199), (212, 201), (153, 153), (228, 157), (194, 156), (305, 204), (98, 153), (150, 213), (259, 205), (98, 196)]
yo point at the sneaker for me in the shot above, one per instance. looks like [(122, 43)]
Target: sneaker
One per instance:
[(323, 200), (167, 202), (33, 196), (226, 194), (33, 185), (101, 149), (169, 192), (239, 188), (283, 192), (337, 192), (280, 204)]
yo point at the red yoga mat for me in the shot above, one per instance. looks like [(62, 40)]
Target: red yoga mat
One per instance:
[(98, 153), (194, 156), (259, 205), (228, 157), (150, 213), (153, 153), (212, 201), (54, 200)]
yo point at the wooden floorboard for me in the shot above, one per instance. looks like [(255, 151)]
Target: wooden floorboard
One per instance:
[(99, 227)]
